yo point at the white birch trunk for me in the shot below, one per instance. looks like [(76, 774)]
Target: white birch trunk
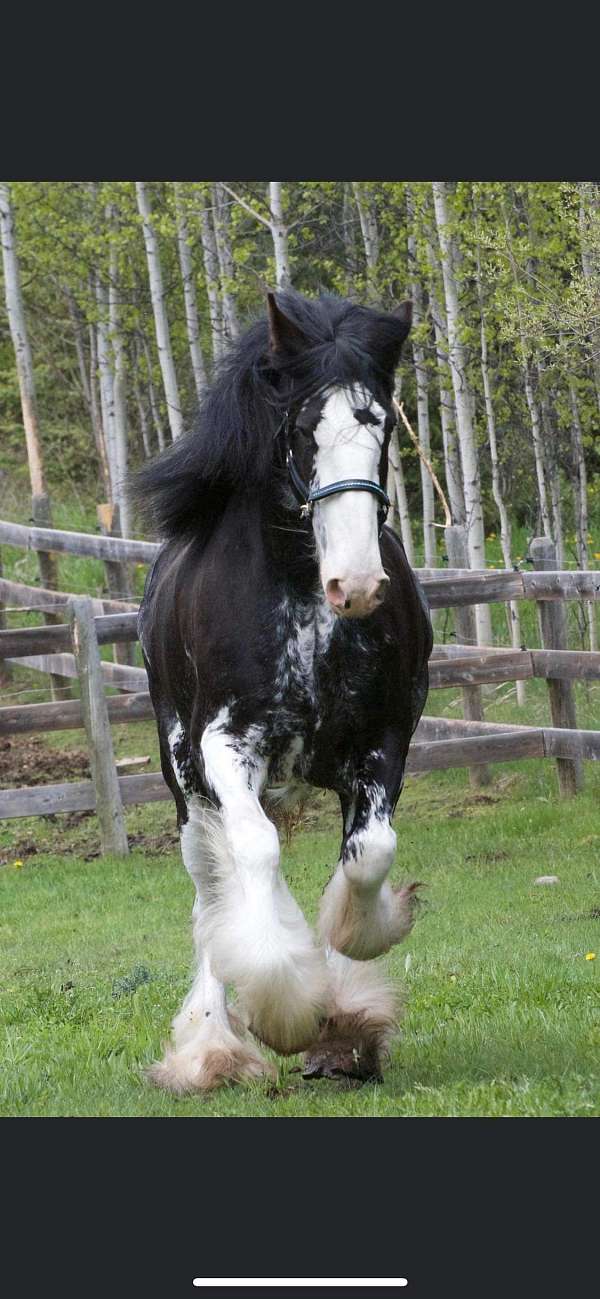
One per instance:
[(420, 364), (462, 399), (581, 506), (221, 218), (142, 413), (514, 615), (106, 380), (370, 234), (396, 472), (77, 323), (279, 235), (189, 296), (20, 341), (348, 235), (156, 419), (532, 405), (549, 452), (119, 387), (211, 274), (537, 439), (95, 413), (456, 498), (161, 322)]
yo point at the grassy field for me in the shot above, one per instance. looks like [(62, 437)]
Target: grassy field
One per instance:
[(502, 998), (503, 1005)]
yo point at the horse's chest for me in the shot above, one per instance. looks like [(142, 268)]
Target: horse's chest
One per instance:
[(302, 651), (324, 675)]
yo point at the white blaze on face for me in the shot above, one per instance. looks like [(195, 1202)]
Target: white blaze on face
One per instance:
[(346, 525)]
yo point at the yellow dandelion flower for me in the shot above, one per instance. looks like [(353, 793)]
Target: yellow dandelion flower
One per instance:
[(590, 956), (17, 865), (597, 554)]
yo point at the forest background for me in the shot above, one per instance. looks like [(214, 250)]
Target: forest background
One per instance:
[(120, 298)]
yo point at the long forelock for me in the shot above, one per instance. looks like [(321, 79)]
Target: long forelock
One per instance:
[(232, 445)]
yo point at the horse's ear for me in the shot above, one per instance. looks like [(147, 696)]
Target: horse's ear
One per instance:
[(284, 336), (403, 314), (393, 334)]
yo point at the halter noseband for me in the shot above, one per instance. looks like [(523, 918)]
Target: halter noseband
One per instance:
[(307, 498)]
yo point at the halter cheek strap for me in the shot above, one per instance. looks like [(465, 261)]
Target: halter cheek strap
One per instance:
[(307, 498)]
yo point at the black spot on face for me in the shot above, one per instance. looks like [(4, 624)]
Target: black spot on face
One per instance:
[(363, 415)]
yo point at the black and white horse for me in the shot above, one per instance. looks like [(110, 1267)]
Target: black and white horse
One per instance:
[(286, 641)]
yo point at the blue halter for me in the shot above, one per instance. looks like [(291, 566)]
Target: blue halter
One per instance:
[(307, 497)]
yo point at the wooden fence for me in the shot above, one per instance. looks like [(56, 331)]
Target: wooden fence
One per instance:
[(72, 649)]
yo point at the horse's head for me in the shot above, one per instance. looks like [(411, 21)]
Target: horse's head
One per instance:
[(338, 432)]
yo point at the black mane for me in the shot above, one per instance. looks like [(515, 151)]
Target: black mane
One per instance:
[(232, 445)]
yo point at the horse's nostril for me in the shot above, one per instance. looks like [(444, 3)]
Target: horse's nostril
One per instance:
[(335, 593)]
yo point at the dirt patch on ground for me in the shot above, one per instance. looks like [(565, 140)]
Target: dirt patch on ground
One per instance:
[(28, 760), (152, 845)]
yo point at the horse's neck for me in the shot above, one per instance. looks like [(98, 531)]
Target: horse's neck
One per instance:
[(276, 539)]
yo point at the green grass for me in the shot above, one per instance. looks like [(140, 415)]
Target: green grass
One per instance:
[(503, 1009)]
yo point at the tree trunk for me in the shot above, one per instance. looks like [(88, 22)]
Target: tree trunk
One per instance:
[(189, 295), (550, 451), (142, 413), (107, 399), (581, 505), (221, 219), (156, 419), (454, 484), (280, 236), (370, 234), (514, 615), (119, 385), (78, 336), (401, 502), (20, 340), (211, 273), (159, 307), (422, 384), (95, 415), (40, 502), (532, 405), (349, 241), (463, 404), (589, 208)]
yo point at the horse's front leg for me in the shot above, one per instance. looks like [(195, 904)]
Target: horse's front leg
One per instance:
[(255, 933), (361, 915)]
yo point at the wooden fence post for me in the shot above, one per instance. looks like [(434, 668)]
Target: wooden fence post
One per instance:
[(117, 574), (466, 634), (553, 631), (109, 806)]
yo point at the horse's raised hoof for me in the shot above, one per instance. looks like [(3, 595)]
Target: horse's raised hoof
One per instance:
[(346, 1049), (182, 1073), (365, 927)]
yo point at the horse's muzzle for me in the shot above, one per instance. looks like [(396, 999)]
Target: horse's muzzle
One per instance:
[(353, 598)]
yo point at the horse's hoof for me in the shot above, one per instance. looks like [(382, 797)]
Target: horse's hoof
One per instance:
[(342, 1060)]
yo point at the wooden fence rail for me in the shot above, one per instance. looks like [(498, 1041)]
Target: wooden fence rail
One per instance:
[(72, 649), (437, 755), (114, 549), (448, 588)]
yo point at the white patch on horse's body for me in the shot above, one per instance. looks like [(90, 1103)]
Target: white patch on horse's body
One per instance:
[(209, 1045), (256, 934)]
